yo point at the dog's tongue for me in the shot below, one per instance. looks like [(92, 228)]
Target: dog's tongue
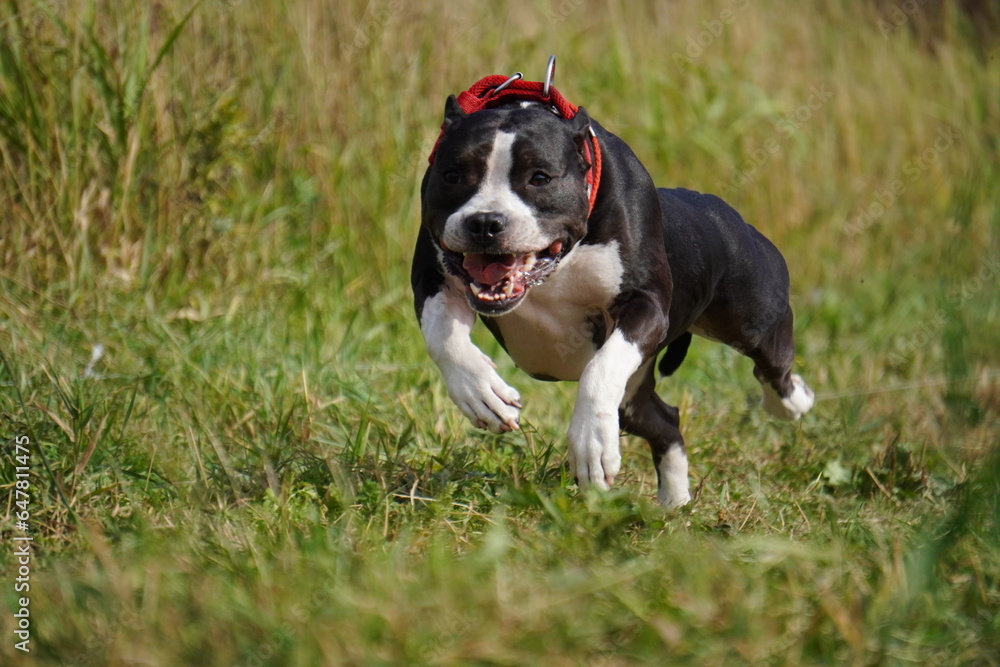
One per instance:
[(489, 269)]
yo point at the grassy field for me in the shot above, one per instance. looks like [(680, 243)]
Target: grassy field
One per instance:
[(239, 453)]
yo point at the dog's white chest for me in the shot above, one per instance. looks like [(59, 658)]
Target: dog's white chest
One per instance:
[(551, 334)]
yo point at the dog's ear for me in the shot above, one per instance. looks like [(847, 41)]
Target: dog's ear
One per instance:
[(581, 121), (580, 124), (453, 112)]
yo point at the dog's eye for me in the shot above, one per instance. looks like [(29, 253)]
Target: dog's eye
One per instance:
[(540, 178), (451, 176)]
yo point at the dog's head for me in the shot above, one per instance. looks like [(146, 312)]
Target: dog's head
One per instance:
[(506, 197)]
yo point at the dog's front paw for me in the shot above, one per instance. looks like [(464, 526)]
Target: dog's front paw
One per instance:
[(594, 456), (488, 401)]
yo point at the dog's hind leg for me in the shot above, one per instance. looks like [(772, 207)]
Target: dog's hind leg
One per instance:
[(644, 414), (786, 395)]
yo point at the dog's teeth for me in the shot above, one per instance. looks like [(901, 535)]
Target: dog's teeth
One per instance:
[(475, 288)]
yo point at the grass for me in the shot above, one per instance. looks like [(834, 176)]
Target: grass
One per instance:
[(261, 465)]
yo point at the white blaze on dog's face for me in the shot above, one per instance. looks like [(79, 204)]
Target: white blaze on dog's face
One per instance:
[(496, 202), (505, 206)]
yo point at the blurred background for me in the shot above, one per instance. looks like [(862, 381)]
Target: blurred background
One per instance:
[(207, 213)]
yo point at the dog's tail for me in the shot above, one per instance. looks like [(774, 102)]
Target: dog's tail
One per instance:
[(674, 356)]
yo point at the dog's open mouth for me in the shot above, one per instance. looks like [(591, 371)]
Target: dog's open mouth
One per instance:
[(496, 282)]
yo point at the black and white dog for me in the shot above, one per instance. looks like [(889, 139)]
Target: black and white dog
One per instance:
[(549, 228)]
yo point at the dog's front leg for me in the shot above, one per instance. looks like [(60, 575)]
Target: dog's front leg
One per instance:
[(446, 321), (594, 456)]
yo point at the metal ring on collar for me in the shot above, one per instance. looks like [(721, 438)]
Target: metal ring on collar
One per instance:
[(550, 74), (512, 79)]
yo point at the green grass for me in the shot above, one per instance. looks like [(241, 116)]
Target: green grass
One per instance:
[(263, 467)]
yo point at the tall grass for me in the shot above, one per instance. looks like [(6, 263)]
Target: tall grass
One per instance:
[(242, 455)]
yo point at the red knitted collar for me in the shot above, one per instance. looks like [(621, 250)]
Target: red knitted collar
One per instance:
[(483, 95)]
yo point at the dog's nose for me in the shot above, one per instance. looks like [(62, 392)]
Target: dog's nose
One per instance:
[(485, 227)]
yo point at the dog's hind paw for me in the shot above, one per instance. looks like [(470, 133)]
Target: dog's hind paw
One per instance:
[(672, 472), (798, 402)]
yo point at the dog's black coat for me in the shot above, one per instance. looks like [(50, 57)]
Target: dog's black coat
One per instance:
[(689, 261)]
